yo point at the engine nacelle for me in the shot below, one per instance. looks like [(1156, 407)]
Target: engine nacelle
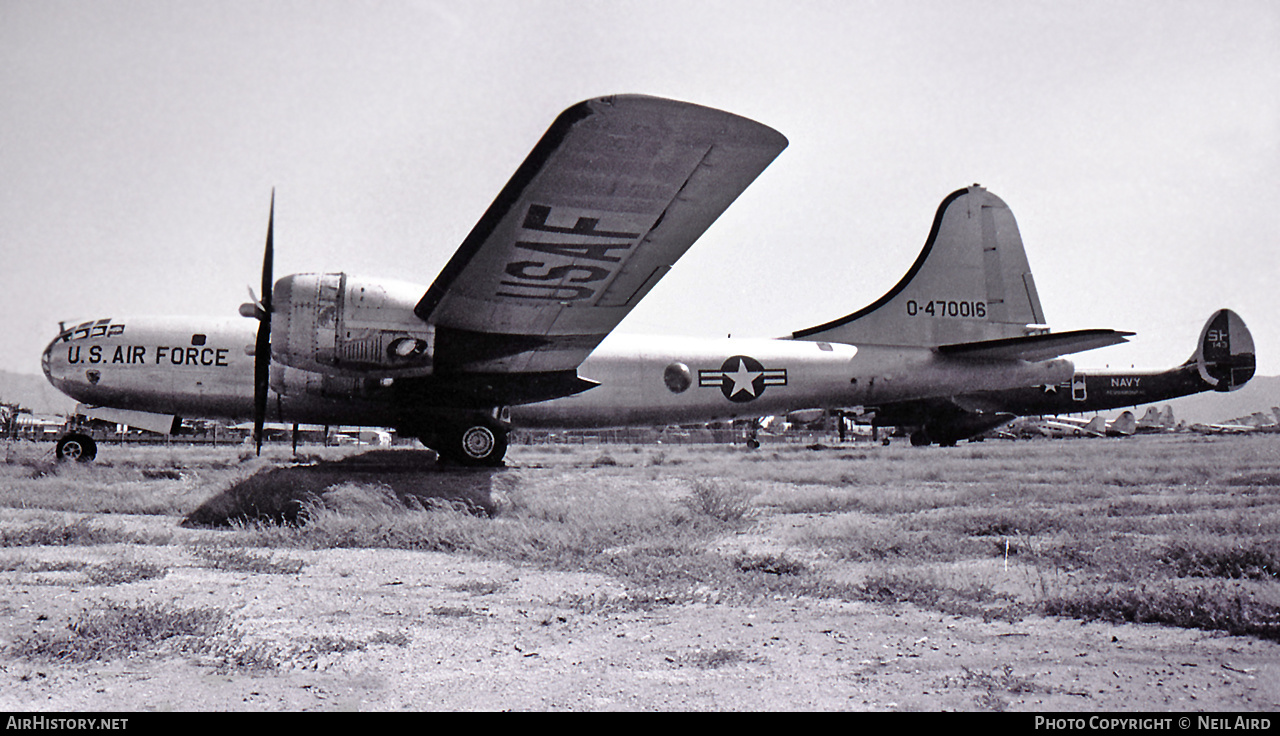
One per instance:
[(338, 324)]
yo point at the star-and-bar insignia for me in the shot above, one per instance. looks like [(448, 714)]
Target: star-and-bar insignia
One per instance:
[(742, 378)]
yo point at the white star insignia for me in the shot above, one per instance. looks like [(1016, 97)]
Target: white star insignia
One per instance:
[(742, 379)]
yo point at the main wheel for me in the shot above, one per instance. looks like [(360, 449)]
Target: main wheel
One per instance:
[(481, 444), (478, 442), (76, 446), (475, 445)]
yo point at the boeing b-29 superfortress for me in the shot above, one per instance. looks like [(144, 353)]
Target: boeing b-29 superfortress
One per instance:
[(515, 331)]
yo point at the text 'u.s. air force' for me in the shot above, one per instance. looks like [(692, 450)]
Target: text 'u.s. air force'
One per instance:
[(138, 355)]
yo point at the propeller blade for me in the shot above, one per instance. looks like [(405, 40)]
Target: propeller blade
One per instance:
[(262, 345), (267, 256)]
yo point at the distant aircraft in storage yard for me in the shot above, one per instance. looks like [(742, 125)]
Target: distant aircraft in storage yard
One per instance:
[(515, 331)]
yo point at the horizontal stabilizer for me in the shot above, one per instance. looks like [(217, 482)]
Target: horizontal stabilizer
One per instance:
[(1035, 348)]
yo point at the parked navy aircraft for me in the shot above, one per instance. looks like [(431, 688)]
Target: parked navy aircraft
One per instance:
[(515, 330), (1058, 427), (1124, 425), (1156, 421), (1223, 360), (1255, 422)]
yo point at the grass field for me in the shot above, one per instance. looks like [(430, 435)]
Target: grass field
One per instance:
[(1179, 530)]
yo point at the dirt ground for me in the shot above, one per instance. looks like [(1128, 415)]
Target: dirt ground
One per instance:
[(383, 630)]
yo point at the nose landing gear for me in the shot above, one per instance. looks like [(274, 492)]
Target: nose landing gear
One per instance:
[(76, 446)]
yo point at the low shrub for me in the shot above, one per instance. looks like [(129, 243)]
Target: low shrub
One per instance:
[(1213, 607)]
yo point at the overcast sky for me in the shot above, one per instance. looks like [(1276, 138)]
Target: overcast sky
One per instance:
[(1136, 142)]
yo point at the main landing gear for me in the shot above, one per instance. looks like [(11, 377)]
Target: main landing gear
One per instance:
[(473, 444), (923, 438), (76, 446)]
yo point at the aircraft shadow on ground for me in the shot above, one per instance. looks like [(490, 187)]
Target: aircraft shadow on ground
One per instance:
[(279, 494)]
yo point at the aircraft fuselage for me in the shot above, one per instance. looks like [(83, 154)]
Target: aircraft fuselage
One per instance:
[(204, 368), (189, 367), (1098, 391)]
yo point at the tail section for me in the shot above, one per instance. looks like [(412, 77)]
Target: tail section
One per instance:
[(1224, 357), (970, 283), (1123, 425), (1150, 420)]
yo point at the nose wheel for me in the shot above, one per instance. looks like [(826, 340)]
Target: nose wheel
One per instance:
[(76, 446)]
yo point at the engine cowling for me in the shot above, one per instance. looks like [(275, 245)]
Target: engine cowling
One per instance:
[(338, 324)]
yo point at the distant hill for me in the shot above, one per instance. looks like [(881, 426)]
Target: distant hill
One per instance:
[(34, 393), (1259, 394)]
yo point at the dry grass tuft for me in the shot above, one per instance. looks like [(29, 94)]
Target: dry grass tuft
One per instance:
[(729, 502), (80, 531), (113, 630), (1213, 606)]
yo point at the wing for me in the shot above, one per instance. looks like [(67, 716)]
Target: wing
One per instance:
[(614, 193)]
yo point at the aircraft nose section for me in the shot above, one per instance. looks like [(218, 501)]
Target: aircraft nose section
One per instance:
[(46, 360), (56, 362)]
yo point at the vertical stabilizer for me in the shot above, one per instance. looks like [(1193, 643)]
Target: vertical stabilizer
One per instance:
[(971, 282), (1151, 419), (1123, 425), (1224, 357)]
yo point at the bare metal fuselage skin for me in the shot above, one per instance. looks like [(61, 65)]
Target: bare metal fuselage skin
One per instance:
[(193, 367)]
